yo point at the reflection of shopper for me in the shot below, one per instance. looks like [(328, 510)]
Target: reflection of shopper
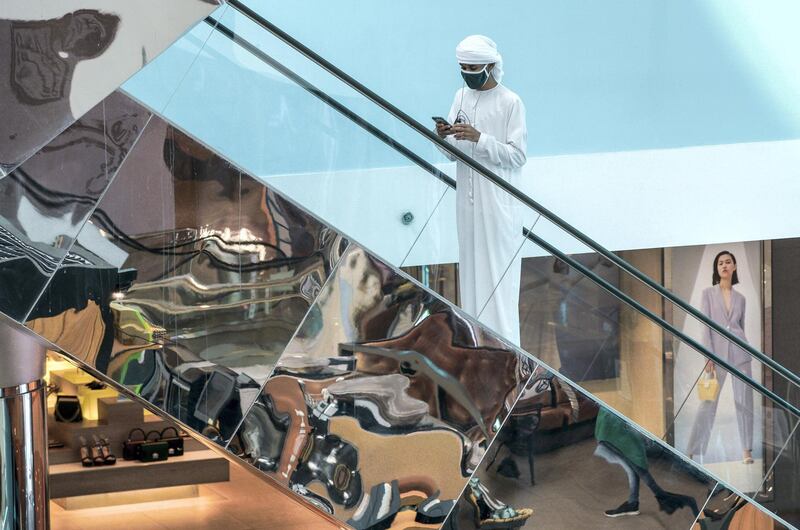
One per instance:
[(725, 306), (620, 444)]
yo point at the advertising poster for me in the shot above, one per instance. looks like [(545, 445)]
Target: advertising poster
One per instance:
[(717, 432)]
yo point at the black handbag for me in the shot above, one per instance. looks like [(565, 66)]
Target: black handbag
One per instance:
[(154, 450), (132, 448), (68, 409), (175, 443)]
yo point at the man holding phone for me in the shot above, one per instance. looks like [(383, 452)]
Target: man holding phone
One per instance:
[(487, 122)]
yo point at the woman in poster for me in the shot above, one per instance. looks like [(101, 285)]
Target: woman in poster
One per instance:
[(725, 306)]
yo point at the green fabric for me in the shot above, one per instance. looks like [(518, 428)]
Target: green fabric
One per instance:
[(618, 434)]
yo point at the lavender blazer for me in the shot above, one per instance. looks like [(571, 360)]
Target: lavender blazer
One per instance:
[(713, 306)]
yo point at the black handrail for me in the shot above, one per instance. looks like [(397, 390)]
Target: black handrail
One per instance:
[(498, 181), (613, 290), (332, 102)]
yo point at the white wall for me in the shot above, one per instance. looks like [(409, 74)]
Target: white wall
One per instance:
[(624, 200)]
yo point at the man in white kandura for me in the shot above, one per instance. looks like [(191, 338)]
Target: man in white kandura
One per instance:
[(488, 124)]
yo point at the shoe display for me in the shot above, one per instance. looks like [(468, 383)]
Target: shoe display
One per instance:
[(95, 451), (86, 459), (626, 508), (105, 450)]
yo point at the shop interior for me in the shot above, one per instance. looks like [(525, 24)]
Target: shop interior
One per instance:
[(114, 462)]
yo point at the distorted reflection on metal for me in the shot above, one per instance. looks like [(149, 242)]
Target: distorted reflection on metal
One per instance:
[(549, 442), (189, 300), (47, 199), (23, 431), (381, 369), (62, 60), (24, 503)]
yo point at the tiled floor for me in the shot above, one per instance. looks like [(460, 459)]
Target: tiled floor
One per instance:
[(244, 503)]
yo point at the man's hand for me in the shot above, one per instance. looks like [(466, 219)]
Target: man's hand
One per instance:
[(710, 367), (443, 130), (466, 132)]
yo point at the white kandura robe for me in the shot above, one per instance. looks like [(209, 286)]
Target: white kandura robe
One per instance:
[(489, 219)]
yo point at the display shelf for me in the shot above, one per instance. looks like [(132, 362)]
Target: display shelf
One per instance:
[(116, 418), (194, 467), (115, 422), (64, 455)]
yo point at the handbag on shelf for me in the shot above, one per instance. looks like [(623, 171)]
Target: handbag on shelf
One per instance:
[(174, 443), (708, 387), (154, 450), (68, 409), (131, 448)]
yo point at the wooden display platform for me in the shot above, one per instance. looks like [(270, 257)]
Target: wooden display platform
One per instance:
[(195, 467), (116, 418)]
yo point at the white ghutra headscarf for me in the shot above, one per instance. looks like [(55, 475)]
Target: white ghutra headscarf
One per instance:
[(478, 49)]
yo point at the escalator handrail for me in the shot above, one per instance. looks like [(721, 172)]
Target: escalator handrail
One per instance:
[(399, 147), (503, 184), (328, 100)]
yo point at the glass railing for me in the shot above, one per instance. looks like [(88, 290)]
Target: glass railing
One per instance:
[(229, 284), (310, 135), (279, 109), (564, 460), (212, 296), (402, 127), (325, 179)]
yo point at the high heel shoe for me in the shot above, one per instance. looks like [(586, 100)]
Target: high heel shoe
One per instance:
[(105, 450), (86, 460), (97, 454)]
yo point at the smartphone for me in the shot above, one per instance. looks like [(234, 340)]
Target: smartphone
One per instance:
[(439, 119)]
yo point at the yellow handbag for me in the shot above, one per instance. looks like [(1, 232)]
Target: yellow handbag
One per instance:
[(708, 387)]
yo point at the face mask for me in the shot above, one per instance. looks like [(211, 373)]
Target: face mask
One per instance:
[(476, 80)]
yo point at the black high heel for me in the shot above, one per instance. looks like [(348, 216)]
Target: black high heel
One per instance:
[(86, 460)]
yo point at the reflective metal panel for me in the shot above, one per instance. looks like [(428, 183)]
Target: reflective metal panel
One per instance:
[(386, 398), (59, 61), (46, 201), (564, 461), (24, 503), (199, 277)]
